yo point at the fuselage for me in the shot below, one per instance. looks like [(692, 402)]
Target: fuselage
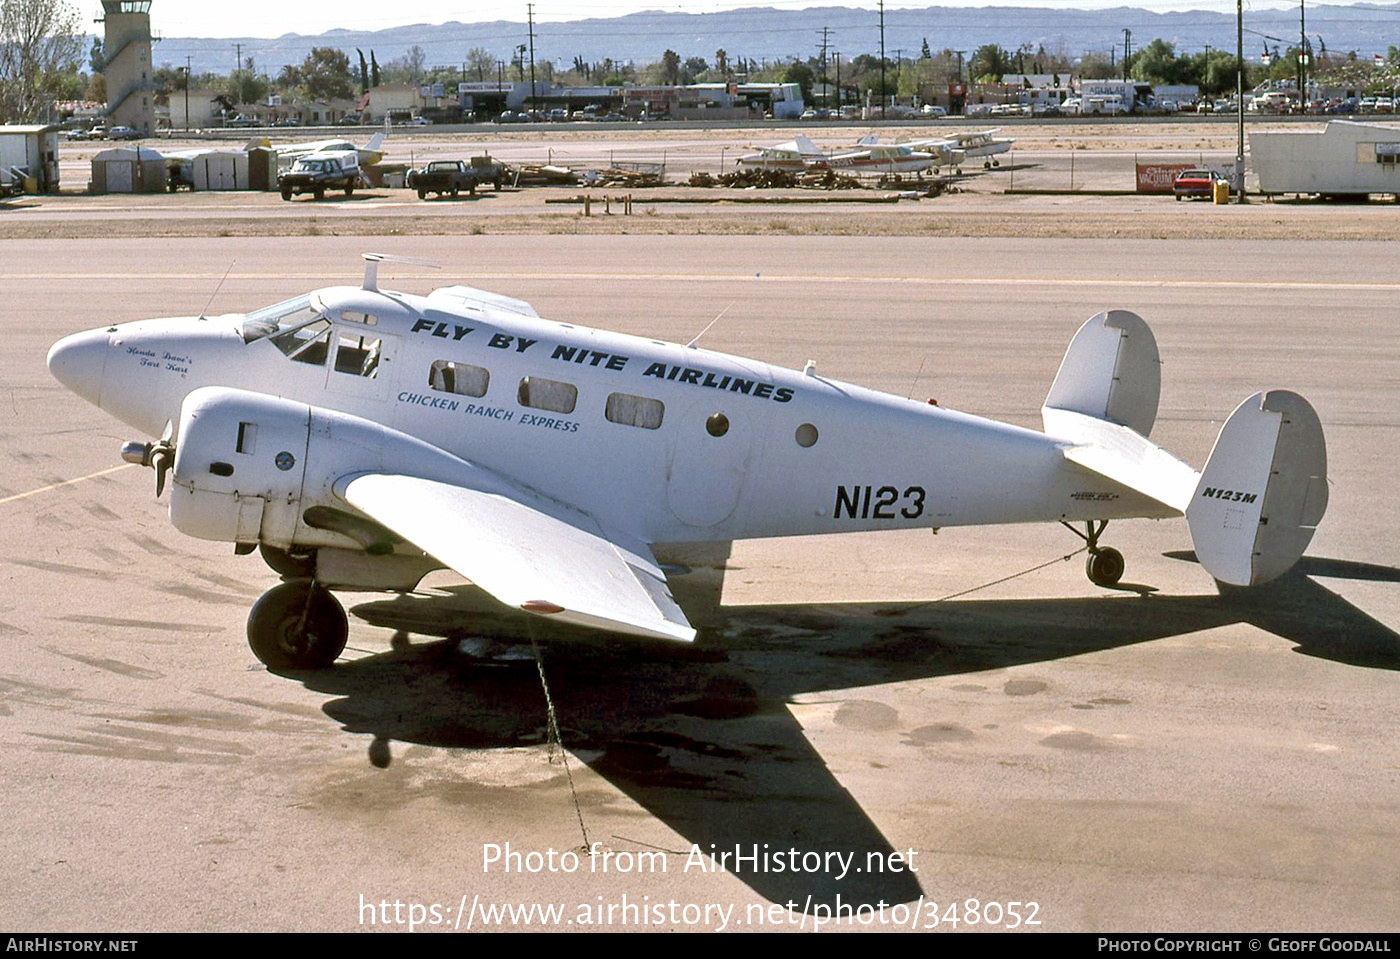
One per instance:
[(663, 442)]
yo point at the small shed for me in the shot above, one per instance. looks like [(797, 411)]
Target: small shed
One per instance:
[(129, 170), (220, 170), (29, 153), (1345, 158)]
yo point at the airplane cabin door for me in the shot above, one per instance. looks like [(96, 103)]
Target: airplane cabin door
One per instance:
[(362, 362), (709, 464)]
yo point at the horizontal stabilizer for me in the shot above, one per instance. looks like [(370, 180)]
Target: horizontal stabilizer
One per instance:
[(1124, 456), (1263, 491), (1111, 371)]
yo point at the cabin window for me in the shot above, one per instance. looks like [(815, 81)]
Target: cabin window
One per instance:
[(541, 394), (806, 435), (357, 355), (368, 319), (308, 343), (717, 425), (463, 378), (634, 411)]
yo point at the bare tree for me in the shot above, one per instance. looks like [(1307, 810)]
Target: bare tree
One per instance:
[(39, 44)]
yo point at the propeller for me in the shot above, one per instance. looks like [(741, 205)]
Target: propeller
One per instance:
[(159, 456)]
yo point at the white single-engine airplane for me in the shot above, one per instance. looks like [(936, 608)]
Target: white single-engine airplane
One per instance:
[(362, 437), (793, 155), (868, 156), (370, 154), (969, 145)]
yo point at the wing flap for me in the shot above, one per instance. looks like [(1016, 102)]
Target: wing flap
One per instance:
[(524, 556)]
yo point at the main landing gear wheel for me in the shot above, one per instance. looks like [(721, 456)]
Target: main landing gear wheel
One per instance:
[(297, 625), (1105, 565)]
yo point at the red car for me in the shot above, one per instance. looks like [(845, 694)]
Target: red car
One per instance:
[(1195, 183)]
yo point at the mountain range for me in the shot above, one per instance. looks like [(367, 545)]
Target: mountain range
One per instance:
[(766, 34)]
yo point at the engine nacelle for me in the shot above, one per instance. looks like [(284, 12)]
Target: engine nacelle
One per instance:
[(255, 468)]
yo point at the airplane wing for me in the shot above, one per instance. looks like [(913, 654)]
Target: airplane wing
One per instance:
[(526, 557)]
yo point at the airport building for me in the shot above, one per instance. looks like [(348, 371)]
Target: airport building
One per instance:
[(29, 159), (126, 53)]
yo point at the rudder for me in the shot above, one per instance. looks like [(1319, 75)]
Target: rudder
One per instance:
[(1111, 371), (1263, 491)]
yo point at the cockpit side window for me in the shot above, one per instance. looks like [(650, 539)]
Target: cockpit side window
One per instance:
[(308, 343), (278, 318)]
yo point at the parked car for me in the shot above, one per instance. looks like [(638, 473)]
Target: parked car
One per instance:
[(124, 133), (1196, 184)]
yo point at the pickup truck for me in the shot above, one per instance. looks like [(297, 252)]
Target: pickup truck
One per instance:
[(443, 177), (490, 170), (318, 172)]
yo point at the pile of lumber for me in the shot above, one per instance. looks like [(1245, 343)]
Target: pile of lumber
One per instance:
[(777, 179)]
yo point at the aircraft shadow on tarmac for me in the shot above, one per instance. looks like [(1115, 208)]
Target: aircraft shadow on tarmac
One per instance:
[(701, 735)]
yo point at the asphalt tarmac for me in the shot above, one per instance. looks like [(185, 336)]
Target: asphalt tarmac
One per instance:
[(1153, 758)]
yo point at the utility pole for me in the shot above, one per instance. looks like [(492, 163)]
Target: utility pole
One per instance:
[(1239, 99), (530, 15), (1127, 50), (188, 60), (1302, 56), (882, 59), (821, 58)]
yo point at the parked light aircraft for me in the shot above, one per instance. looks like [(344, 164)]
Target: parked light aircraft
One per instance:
[(944, 153), (972, 144), (370, 154), (878, 158), (361, 437), (800, 153), (793, 155)]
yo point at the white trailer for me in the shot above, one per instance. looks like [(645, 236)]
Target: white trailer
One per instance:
[(1344, 158)]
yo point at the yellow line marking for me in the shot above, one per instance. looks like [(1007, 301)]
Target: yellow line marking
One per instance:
[(53, 486)]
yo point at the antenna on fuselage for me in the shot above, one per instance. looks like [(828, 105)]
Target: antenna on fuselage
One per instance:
[(216, 291), (372, 261), (691, 344)]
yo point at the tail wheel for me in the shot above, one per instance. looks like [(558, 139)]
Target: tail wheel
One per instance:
[(1105, 567), (297, 625)]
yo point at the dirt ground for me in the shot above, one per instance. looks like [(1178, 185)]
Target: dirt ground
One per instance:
[(1084, 157)]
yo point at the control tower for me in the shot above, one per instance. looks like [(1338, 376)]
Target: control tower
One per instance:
[(126, 53)]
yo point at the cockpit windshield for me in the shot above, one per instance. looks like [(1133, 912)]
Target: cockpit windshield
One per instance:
[(287, 315)]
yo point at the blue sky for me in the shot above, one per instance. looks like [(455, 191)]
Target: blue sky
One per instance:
[(270, 18)]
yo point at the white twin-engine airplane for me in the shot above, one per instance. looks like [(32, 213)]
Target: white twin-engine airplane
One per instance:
[(361, 438)]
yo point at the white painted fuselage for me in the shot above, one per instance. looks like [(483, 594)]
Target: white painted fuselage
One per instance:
[(795, 454)]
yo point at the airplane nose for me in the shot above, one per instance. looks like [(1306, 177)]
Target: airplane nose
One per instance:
[(78, 362)]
